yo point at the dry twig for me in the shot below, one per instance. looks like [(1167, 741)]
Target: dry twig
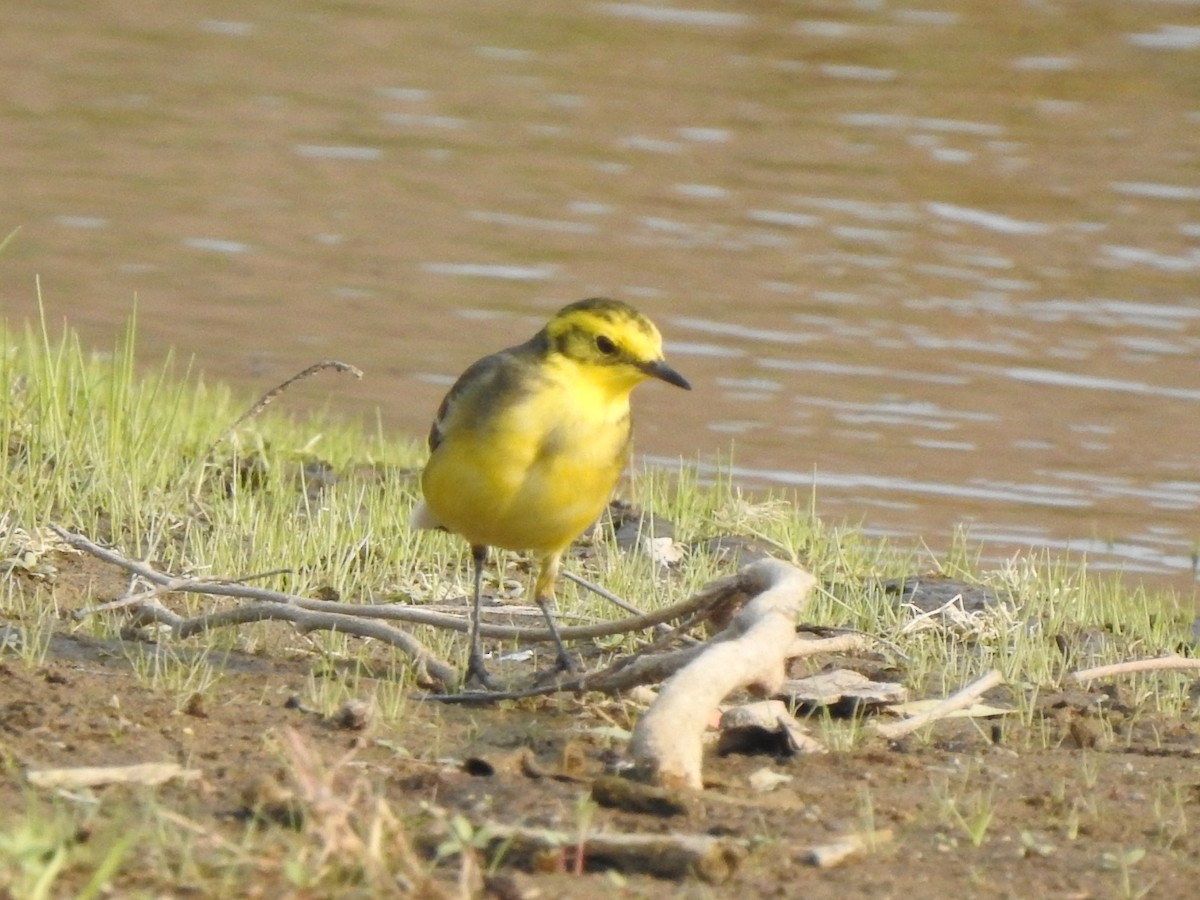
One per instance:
[(314, 615), (824, 856), (77, 777), (414, 615), (674, 856), (953, 703), (272, 605), (274, 392), (1172, 661)]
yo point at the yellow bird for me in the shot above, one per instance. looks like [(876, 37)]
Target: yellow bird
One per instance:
[(529, 443)]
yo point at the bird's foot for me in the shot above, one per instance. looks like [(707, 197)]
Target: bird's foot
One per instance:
[(477, 672), (567, 663)]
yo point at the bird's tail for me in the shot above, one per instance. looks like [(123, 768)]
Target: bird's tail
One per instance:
[(423, 517)]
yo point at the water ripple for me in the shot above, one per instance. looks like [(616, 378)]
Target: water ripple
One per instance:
[(989, 220), (1156, 191), (499, 218), (894, 120), (1027, 494), (216, 245), (501, 272), (1055, 378), (667, 16), (318, 151)]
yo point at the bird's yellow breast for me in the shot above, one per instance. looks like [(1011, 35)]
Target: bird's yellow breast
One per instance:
[(531, 469)]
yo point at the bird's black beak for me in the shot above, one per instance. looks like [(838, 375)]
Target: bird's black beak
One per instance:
[(660, 370)]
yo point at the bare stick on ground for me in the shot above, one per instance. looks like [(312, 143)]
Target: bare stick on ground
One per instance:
[(311, 615), (953, 703), (823, 856), (650, 665), (272, 605), (752, 652), (717, 592), (1163, 663), (672, 856), (92, 776)]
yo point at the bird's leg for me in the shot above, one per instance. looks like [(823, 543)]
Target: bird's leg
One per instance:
[(475, 668), (543, 592)]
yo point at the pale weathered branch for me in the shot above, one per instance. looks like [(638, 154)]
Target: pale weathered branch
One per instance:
[(647, 665), (824, 856), (77, 777), (273, 605), (1171, 662), (752, 652), (850, 642), (308, 615), (398, 611), (951, 704), (432, 668)]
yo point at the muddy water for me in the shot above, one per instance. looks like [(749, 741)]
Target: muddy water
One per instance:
[(940, 260)]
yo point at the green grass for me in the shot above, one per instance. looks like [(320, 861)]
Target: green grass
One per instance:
[(38, 846), (140, 458), (144, 461)]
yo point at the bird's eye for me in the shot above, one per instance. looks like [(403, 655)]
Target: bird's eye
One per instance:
[(605, 345)]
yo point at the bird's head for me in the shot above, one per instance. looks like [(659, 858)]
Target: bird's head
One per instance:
[(612, 342)]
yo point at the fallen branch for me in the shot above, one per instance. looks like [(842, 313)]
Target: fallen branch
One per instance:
[(276, 605), (672, 856), (1171, 662), (752, 652), (312, 615), (393, 611), (824, 856), (430, 667), (93, 776), (951, 704), (851, 642), (151, 594), (648, 665)]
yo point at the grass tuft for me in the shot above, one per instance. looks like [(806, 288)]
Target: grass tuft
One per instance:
[(147, 462)]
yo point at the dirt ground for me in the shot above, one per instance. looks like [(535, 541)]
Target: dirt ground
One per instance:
[(1091, 816)]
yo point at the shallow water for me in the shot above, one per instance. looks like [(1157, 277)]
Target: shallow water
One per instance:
[(941, 262)]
